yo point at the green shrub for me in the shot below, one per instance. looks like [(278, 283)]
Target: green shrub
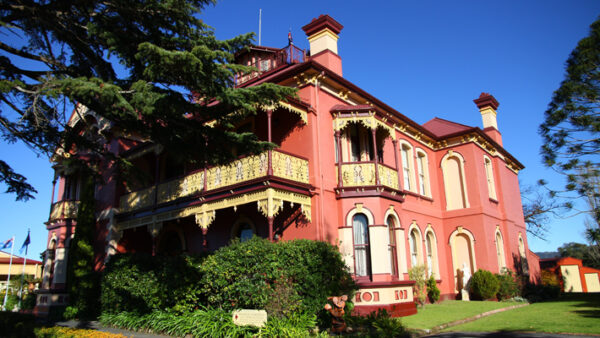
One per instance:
[(508, 286), (433, 292), (143, 283), (245, 275), (377, 324), (11, 301), (417, 274), (28, 302), (210, 323), (14, 324), (483, 285)]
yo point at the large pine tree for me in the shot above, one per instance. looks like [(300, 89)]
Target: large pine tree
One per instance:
[(571, 129), (152, 68)]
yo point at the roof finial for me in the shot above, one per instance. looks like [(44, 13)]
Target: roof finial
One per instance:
[(290, 40)]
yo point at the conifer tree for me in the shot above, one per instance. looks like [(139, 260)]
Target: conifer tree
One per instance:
[(151, 68), (571, 129)]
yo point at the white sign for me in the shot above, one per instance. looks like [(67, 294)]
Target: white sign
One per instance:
[(244, 317)]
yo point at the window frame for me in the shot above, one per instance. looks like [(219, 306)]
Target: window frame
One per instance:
[(489, 174), (423, 172), (407, 165), (364, 247)]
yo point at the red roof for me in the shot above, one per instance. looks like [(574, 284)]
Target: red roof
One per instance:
[(440, 127), (17, 260)]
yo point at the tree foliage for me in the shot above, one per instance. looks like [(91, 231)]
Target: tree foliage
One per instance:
[(539, 205), (152, 68), (571, 127)]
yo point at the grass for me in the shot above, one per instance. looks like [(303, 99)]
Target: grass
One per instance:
[(571, 313), (436, 314)]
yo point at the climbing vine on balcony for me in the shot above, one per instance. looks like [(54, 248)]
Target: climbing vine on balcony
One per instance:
[(82, 281)]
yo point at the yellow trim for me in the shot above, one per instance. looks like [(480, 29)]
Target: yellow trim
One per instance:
[(324, 32), (370, 122), (269, 203)]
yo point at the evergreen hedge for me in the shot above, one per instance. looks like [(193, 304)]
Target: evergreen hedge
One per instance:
[(245, 274), (483, 285), (283, 278), (141, 283)]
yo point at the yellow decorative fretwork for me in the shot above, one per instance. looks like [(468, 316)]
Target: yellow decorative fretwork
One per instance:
[(137, 199), (270, 201), (358, 174), (245, 169), (189, 185), (301, 112), (64, 209), (290, 167), (340, 122), (388, 177)]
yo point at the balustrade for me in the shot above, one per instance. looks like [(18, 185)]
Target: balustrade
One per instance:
[(237, 172), (64, 209), (363, 174)]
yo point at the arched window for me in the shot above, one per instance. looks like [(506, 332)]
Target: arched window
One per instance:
[(360, 230), (431, 252), (500, 251), (429, 249), (391, 225), (406, 152), (243, 229), (413, 242), (454, 181), (423, 173), (489, 174), (522, 253)]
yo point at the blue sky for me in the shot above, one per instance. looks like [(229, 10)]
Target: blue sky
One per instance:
[(424, 58)]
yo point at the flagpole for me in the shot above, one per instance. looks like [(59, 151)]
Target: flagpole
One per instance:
[(23, 275), (12, 248)]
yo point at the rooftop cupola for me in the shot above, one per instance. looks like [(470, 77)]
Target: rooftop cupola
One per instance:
[(487, 105), (322, 35)]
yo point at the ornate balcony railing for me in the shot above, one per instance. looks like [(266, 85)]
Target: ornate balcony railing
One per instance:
[(288, 55), (237, 172), (64, 209), (388, 176), (358, 174)]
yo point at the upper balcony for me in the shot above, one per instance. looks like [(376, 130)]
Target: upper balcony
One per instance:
[(266, 60), (64, 210), (273, 164)]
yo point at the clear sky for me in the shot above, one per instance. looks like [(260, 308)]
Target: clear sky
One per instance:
[(424, 58)]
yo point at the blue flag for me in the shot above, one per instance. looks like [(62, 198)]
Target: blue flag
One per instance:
[(25, 244), (7, 244)]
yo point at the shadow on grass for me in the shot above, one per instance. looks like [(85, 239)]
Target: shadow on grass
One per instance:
[(517, 333)]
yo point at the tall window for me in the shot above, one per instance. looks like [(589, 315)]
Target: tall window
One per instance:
[(414, 247), (522, 253), (429, 248), (423, 173), (489, 174), (500, 251), (406, 152), (360, 231), (454, 181), (391, 224), (71, 188)]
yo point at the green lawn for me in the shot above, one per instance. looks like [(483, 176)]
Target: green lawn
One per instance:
[(573, 313), (449, 311)]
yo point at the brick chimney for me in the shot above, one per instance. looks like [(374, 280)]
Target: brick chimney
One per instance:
[(322, 35), (487, 105)]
